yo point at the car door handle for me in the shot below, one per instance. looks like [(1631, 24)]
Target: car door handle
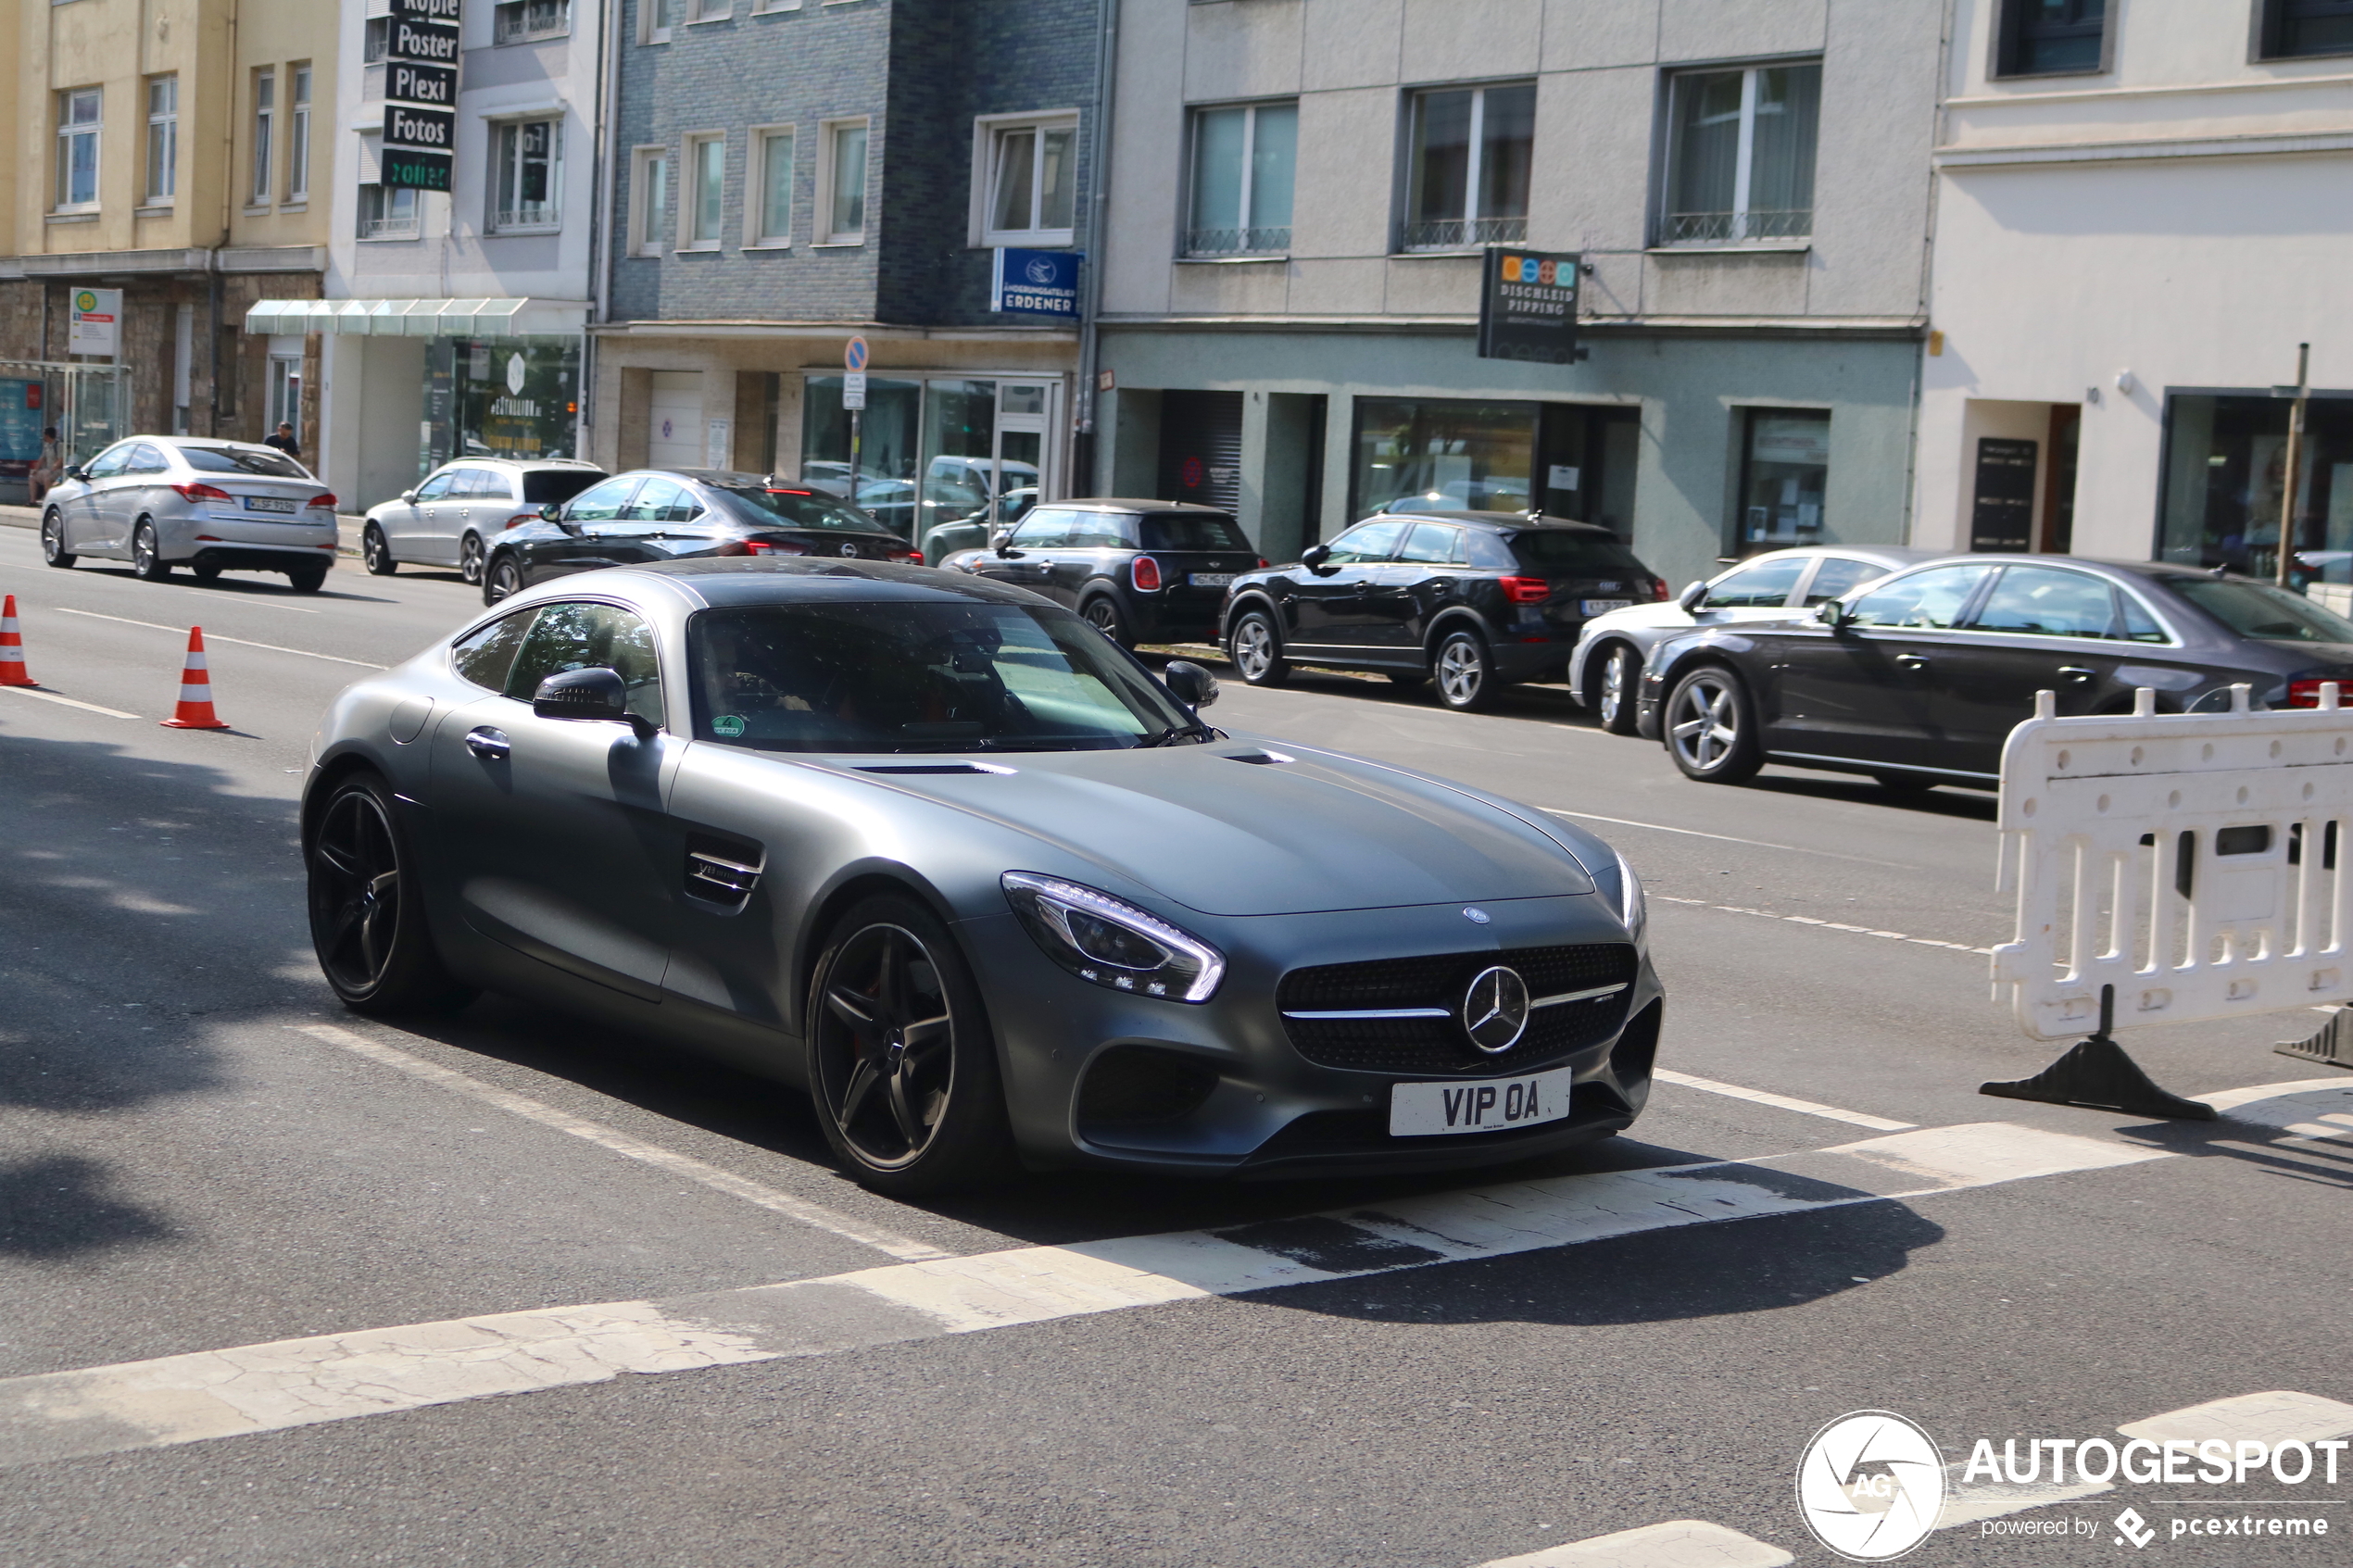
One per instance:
[(2076, 672), (488, 744), (1912, 660)]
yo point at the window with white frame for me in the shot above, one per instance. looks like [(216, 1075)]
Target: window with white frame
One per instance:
[(386, 212), (1473, 149), (655, 18), (1740, 156), (709, 10), (841, 183), (298, 137), (1027, 182), (761, 8), (529, 155), (79, 114), (1242, 160), (768, 187), (526, 21), (163, 140), (376, 40), (702, 191), (265, 116), (649, 199)]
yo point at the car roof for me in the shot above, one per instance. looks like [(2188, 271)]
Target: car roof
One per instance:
[(1514, 523), (209, 443), (1884, 555), (1131, 504), (527, 463), (739, 581)]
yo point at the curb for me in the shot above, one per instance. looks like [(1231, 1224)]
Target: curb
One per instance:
[(348, 525)]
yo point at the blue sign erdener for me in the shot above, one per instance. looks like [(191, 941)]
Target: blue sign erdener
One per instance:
[(1036, 283)]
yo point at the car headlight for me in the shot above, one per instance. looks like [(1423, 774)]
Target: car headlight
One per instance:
[(1112, 943), (1636, 910)]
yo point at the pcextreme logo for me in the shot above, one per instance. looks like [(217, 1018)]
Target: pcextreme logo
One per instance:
[(1871, 1485)]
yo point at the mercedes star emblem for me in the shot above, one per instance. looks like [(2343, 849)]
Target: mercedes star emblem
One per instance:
[(1495, 1010), (1476, 916)]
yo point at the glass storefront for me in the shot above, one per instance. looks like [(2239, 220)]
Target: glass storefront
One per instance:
[(1785, 465), (932, 452), (1566, 459), (500, 397), (2225, 477)]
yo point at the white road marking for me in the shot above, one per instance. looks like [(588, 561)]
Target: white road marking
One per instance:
[(811, 1214), (296, 1382), (2276, 1417), (1679, 1543), (217, 596), (1724, 838), (1966, 1504), (1824, 925), (70, 702), (210, 637), (2308, 1107), (1783, 1101)]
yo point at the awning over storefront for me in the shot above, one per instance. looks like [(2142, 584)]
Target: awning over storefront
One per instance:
[(416, 318)]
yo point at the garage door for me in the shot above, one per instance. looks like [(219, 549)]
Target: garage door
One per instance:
[(674, 438)]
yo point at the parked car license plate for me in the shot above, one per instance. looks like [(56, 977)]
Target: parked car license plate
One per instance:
[(1481, 1106), (1602, 607), (268, 504), (1210, 579)]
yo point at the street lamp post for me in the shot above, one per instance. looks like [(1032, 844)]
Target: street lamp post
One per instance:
[(2302, 393)]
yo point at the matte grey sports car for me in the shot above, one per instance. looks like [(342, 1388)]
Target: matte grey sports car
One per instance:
[(940, 850)]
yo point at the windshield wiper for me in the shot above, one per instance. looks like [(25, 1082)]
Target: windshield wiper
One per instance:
[(1196, 732)]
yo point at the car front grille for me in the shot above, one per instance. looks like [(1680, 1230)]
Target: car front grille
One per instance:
[(1440, 1044)]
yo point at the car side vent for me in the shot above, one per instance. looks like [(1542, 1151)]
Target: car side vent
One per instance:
[(721, 871), (931, 768), (1257, 758)]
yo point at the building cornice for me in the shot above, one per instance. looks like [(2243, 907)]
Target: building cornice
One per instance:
[(880, 331), (228, 258), (1598, 328), (2255, 144)]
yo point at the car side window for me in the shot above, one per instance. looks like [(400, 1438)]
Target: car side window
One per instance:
[(147, 458), (653, 501), (1044, 531), (2048, 602), (1432, 543), (2140, 626), (1838, 575), (1931, 600), (485, 657), (1489, 552), (601, 503), (1101, 531), (437, 487), (590, 636), (1763, 586), (111, 461), (1371, 541)]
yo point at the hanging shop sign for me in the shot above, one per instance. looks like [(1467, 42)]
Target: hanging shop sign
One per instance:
[(1042, 283), (421, 94), (1528, 307), (433, 86)]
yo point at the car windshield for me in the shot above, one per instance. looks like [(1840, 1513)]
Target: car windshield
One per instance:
[(1555, 552), (2257, 610), (919, 677), (797, 508), (243, 459), (1192, 531), (543, 485)]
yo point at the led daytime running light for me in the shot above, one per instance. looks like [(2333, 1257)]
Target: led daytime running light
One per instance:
[(1192, 968)]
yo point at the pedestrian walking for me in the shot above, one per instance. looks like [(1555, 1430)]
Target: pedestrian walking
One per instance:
[(51, 465), (283, 440)]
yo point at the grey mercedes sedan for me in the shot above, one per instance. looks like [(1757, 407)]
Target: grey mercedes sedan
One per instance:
[(937, 850)]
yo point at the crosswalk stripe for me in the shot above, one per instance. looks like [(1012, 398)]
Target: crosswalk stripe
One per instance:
[(1679, 1543), (2275, 1417), (1784, 1102)]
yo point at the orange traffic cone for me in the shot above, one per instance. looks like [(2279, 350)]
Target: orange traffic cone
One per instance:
[(196, 691), (12, 649)]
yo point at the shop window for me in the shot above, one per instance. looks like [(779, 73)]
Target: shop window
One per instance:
[(2051, 37), (163, 140), (504, 398), (2225, 477), (1739, 164), (78, 130), (1472, 151), (1785, 465), (1028, 180), (649, 199), (298, 137), (530, 155), (1443, 455), (842, 183), (2286, 29), (768, 207), (1241, 187), (265, 120), (526, 21), (931, 453)]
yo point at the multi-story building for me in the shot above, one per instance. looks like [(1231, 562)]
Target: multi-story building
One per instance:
[(2140, 212), (1300, 191), (790, 174), (180, 154)]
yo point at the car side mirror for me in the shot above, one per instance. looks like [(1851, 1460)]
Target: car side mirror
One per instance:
[(1694, 595), (589, 694), (1004, 547), (1831, 613), (1315, 556), (410, 496), (1192, 685), (77, 472), (552, 512)]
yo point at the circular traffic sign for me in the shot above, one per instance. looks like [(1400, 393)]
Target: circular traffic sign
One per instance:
[(853, 355)]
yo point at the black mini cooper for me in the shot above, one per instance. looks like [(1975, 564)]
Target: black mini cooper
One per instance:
[(1143, 571), (1476, 600)]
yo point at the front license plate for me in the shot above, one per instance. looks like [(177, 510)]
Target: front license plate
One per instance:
[(1602, 607), (269, 503), (1211, 579), (1417, 1111)]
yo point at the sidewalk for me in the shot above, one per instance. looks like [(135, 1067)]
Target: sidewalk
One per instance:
[(29, 517)]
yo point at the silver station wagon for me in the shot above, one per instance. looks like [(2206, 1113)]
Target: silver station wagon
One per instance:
[(455, 517)]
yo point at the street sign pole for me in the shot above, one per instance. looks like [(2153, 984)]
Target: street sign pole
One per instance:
[(2302, 393), (853, 397)]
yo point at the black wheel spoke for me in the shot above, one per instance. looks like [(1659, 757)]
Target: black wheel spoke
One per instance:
[(901, 1113), (850, 1007), (890, 981), (862, 1080), (926, 1036), (339, 858)]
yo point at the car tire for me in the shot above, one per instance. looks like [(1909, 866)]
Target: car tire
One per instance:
[(53, 539), (904, 1118), (1255, 649), (1905, 786), (469, 559), (1464, 671), (503, 580), (1710, 727), (367, 909), (207, 574), (1615, 688), (307, 579), (375, 550), (146, 554), (1103, 612)]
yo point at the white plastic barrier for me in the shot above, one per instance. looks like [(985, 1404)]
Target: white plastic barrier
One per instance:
[(2171, 857)]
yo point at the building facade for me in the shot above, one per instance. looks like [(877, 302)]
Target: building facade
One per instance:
[(1302, 192), (181, 157), (791, 174), (2142, 212)]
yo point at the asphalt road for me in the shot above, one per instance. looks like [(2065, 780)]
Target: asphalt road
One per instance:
[(183, 1168)]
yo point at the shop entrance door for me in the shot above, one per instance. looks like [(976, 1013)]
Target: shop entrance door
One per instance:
[(674, 423), (1018, 452)]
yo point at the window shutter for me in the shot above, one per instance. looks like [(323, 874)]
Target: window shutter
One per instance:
[(370, 157)]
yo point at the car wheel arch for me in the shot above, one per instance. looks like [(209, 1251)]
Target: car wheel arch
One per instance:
[(1260, 601), (852, 884), (1596, 659), (1447, 623), (1699, 658)]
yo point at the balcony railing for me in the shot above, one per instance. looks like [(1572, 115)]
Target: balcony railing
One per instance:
[(522, 21), (1734, 228), (1463, 233), (1237, 241), (531, 215), (389, 228)]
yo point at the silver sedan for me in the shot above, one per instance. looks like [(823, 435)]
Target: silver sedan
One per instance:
[(166, 501)]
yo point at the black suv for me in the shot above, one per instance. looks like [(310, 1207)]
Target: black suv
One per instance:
[(1476, 599), (1144, 572)]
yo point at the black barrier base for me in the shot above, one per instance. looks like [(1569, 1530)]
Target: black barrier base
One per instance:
[(2098, 1073), (2332, 1046)]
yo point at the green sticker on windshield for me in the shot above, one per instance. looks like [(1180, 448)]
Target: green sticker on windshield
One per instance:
[(727, 726)]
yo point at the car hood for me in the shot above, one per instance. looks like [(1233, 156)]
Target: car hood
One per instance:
[(1216, 833)]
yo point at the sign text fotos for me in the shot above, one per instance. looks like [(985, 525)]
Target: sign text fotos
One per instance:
[(1527, 305), (432, 131)]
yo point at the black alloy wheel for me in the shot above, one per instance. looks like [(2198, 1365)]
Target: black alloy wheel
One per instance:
[(1104, 614), (901, 1059), (1257, 651), (367, 913), (505, 578), (376, 552), (146, 554), (1464, 671), (1711, 727), (1615, 687), (307, 579), (469, 560), (53, 539)]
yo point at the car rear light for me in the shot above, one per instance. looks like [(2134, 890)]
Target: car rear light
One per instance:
[(519, 518), (1145, 574), (1264, 563), (2307, 693), (767, 547), (1659, 590), (1525, 590), (773, 490), (908, 557), (326, 500), (207, 538), (203, 492)]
